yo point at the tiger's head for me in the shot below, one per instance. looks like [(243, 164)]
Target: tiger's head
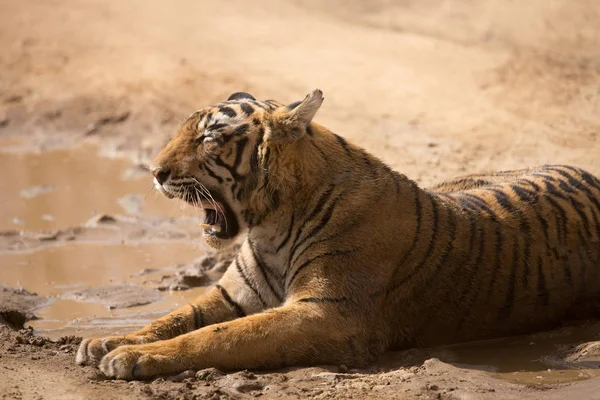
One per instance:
[(221, 160)]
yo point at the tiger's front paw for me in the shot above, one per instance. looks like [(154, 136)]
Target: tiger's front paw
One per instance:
[(91, 351), (131, 362)]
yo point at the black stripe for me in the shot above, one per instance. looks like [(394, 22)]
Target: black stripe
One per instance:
[(310, 261), (258, 104), (542, 288), (230, 112), (288, 234), (507, 308), (504, 201), (473, 284), (418, 216), (428, 252), (322, 300), (216, 126), (542, 220), (525, 195), (240, 130), (211, 173), (464, 202), (368, 162), (482, 204), (222, 164), (198, 317), (240, 268), (578, 185), (343, 143), (321, 152), (398, 180), (590, 179), (239, 147), (236, 307), (436, 275), (273, 104), (583, 259), (590, 196), (578, 206), (317, 228), (498, 259), (247, 109), (264, 268), (561, 219), (316, 210), (348, 226)]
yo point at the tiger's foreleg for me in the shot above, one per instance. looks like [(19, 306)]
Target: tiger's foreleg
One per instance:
[(214, 307), (296, 334)]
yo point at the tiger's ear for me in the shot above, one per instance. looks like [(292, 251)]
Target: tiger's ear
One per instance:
[(241, 96), (289, 123)]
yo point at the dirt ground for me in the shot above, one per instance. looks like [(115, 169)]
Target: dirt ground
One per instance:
[(89, 91)]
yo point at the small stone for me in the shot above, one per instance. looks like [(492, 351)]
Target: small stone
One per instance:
[(184, 375), (342, 369), (97, 376), (207, 262), (100, 219), (247, 374), (208, 374)]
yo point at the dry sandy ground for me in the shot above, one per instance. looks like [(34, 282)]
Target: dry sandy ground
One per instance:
[(435, 88)]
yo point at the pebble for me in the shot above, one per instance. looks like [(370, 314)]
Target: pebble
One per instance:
[(208, 374)]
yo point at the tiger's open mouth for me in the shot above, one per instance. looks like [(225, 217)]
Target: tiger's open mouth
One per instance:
[(219, 219), (214, 219)]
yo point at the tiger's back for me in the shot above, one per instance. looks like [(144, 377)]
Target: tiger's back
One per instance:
[(531, 254)]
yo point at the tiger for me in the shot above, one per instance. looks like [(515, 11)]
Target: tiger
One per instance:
[(343, 258)]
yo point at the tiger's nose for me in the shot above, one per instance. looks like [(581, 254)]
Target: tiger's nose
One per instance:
[(161, 175)]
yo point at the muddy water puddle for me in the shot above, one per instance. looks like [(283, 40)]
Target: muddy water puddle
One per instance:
[(57, 270), (62, 188), (94, 288), (529, 359), (97, 287)]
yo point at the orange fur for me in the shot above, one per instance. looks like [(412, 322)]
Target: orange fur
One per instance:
[(345, 258)]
